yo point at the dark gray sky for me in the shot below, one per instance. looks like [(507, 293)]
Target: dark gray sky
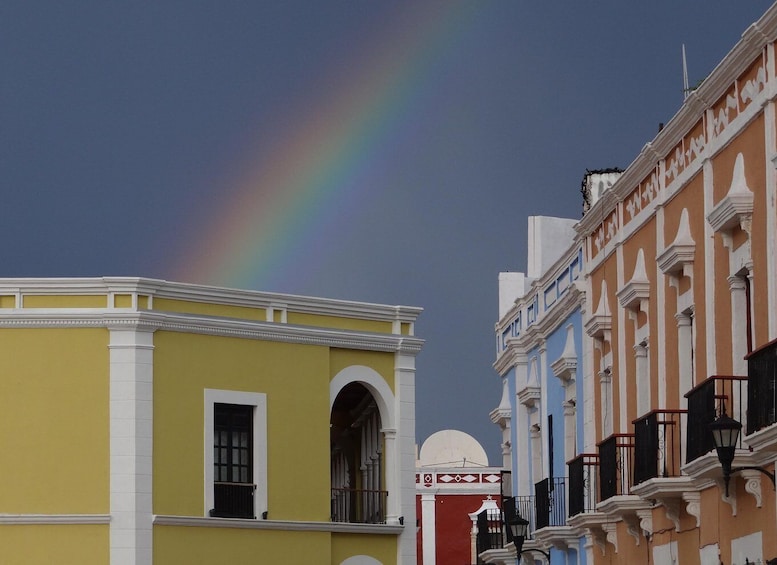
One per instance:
[(378, 151)]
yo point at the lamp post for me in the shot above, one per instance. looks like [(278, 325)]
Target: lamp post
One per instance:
[(725, 433), (520, 527)]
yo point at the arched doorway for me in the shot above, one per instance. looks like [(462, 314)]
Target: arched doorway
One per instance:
[(357, 457)]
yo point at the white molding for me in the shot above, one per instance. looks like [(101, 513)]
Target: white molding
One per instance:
[(53, 519), (259, 402), (208, 294), (374, 382), (289, 526), (186, 323), (131, 351)]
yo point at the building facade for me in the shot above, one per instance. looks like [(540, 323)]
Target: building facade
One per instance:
[(541, 413), (155, 422), (454, 484), (676, 313), (682, 279)]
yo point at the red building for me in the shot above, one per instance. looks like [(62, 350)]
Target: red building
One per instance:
[(453, 483)]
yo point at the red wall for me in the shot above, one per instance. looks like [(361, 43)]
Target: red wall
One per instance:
[(453, 527)]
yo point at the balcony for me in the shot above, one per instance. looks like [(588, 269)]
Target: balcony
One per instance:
[(359, 506), (233, 500), (762, 388), (583, 489), (616, 463), (762, 399), (705, 402), (616, 458), (550, 503), (658, 458), (551, 514), (658, 445), (490, 532), (525, 506), (583, 474)]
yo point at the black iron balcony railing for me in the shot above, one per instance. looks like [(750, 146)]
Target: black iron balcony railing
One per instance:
[(525, 506), (658, 445), (550, 502), (233, 500), (359, 506), (490, 534), (583, 472), (762, 387), (705, 402), (616, 459)]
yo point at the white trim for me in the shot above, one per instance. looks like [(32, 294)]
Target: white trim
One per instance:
[(259, 401), (289, 526), (362, 560), (53, 519), (208, 294), (131, 352), (375, 383), (187, 323)]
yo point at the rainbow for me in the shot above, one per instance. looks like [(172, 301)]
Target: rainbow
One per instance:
[(275, 218)]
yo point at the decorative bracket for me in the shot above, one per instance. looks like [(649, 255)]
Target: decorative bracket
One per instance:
[(646, 521), (611, 531), (731, 499), (632, 527), (672, 509), (693, 505), (753, 484)]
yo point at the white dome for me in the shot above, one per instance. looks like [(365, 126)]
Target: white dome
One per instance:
[(452, 448)]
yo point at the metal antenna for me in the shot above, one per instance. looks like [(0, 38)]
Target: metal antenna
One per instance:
[(686, 88)]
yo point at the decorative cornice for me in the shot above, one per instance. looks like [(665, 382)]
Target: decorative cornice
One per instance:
[(208, 294), (560, 537), (187, 323), (712, 88), (635, 293), (529, 395), (53, 519), (662, 488), (679, 254), (285, 525)]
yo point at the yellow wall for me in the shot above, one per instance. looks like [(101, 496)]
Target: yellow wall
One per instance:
[(60, 545), (295, 379), (54, 421), (192, 546), (383, 363), (338, 322), (209, 309), (66, 301), (380, 547)]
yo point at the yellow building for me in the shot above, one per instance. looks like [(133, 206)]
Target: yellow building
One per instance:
[(145, 422), (681, 287)]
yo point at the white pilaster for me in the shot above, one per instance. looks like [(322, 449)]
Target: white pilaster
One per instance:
[(131, 428), (428, 528), (404, 457)]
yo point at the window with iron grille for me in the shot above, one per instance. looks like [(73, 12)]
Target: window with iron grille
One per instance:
[(233, 487), (235, 455)]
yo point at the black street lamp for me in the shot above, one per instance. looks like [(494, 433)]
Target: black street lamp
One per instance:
[(520, 527), (725, 433)]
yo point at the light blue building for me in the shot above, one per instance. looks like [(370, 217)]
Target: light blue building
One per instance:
[(546, 404)]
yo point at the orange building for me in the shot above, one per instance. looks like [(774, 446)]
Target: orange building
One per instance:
[(681, 316)]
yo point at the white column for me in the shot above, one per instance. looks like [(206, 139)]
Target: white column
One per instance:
[(684, 355), (605, 382), (643, 379), (131, 429), (428, 526), (739, 329), (771, 209), (403, 457)]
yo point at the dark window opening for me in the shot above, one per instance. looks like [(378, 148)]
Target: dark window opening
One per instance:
[(233, 488)]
